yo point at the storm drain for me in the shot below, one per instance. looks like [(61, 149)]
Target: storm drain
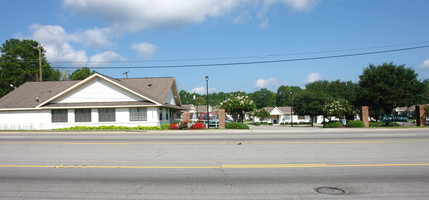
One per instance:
[(330, 190)]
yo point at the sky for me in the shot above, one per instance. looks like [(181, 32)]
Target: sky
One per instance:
[(241, 45)]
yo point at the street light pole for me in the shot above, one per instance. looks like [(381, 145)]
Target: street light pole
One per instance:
[(208, 113), (291, 109)]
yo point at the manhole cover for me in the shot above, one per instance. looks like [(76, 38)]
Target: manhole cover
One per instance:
[(330, 190)]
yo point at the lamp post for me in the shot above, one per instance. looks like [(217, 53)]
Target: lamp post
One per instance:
[(208, 113), (291, 109), (195, 114)]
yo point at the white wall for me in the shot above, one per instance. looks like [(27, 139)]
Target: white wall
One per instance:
[(42, 120), (97, 90), (24, 120)]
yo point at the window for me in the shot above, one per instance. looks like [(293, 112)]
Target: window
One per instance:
[(301, 117), (82, 115), (160, 116), (59, 115), (166, 116), (138, 114), (106, 115)]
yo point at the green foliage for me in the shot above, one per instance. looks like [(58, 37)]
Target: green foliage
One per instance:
[(333, 125), (237, 106), (165, 126), (308, 103), (81, 74), (383, 124), (236, 125), (111, 127), (19, 63), (262, 114), (283, 96), (263, 98), (355, 124), (340, 107), (257, 123), (387, 86)]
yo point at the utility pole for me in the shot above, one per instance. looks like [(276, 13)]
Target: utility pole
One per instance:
[(39, 47)]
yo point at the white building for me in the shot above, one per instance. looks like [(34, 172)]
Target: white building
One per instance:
[(280, 115), (97, 100)]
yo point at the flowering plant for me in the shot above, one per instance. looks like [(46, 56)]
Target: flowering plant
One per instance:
[(237, 106), (174, 126), (198, 126)]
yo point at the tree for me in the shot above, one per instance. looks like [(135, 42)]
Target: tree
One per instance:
[(19, 63), (387, 86), (264, 98), (262, 114), (308, 103), (340, 107), (283, 96), (237, 106), (81, 74)]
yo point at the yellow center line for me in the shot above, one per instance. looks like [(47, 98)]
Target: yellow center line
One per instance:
[(218, 166), (216, 143)]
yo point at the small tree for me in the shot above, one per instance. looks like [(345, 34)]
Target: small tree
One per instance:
[(308, 103), (340, 107), (262, 114), (384, 87), (237, 106)]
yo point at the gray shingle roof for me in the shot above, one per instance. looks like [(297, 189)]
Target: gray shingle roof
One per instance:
[(32, 94)]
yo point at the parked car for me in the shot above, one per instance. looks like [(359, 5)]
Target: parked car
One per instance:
[(214, 118), (427, 121)]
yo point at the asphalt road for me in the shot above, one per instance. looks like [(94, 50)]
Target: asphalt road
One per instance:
[(364, 163)]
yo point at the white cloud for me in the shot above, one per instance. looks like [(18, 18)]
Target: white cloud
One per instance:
[(102, 58), (264, 24), (202, 90), (262, 83), (58, 43), (425, 65), (133, 16), (145, 49), (312, 78)]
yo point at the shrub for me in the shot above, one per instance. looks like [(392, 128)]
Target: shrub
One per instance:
[(333, 125), (183, 126), (198, 126), (257, 123), (355, 124), (236, 125), (174, 126), (381, 124), (165, 126)]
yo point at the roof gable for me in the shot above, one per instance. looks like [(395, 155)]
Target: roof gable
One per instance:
[(97, 77), (97, 90)]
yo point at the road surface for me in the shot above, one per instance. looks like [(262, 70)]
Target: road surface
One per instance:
[(362, 163)]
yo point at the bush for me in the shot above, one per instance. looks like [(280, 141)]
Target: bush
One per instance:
[(165, 126), (355, 124), (236, 125), (183, 126), (333, 125), (257, 123), (174, 126), (111, 127), (198, 126), (381, 124)]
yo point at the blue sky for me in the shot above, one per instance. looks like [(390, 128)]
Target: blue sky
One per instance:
[(124, 34)]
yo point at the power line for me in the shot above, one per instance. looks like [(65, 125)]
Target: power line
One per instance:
[(229, 58), (257, 62)]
